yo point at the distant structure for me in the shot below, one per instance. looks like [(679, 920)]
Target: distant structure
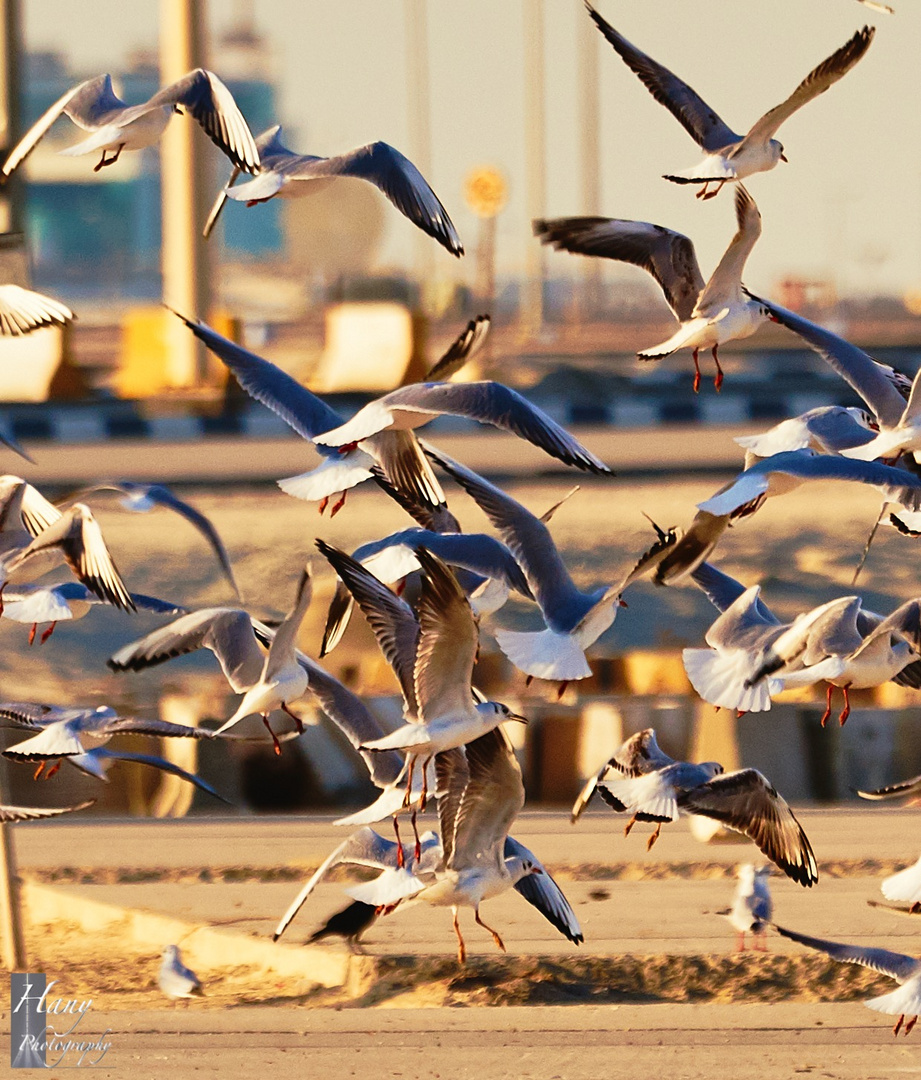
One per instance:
[(96, 236)]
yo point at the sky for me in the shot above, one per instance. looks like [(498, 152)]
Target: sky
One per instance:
[(847, 206)]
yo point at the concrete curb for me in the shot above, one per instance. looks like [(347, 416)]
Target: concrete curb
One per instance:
[(203, 947)]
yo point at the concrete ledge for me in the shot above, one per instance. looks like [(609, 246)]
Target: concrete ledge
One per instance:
[(203, 946)]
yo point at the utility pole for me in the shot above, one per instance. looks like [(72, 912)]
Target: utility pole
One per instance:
[(185, 192), (418, 97), (532, 313), (589, 112)]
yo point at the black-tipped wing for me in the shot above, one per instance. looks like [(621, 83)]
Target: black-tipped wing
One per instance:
[(685, 104), (669, 256), (464, 347), (895, 791), (543, 893), (897, 966), (745, 801)]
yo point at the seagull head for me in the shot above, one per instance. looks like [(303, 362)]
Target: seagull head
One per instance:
[(495, 713), (519, 867), (781, 154)]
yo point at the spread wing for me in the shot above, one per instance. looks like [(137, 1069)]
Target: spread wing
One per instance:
[(897, 966)]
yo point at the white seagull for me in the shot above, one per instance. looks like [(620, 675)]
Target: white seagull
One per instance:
[(287, 175), (114, 126), (711, 314), (175, 979), (906, 970), (729, 156), (751, 907)]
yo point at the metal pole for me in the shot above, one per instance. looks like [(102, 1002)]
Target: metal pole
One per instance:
[(589, 152), (10, 48), (418, 96), (14, 949), (185, 193), (532, 315)]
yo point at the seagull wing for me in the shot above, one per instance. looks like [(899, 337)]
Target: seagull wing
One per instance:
[(685, 104), (202, 94), (33, 813), (396, 176), (816, 82), (106, 754), (897, 966), (745, 801), (894, 791), (904, 622), (22, 311), (543, 893), (464, 347), (79, 105), (448, 641), (874, 382), (669, 256), (725, 283), (227, 632), (281, 650)]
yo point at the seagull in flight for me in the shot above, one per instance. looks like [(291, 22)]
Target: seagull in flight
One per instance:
[(710, 314), (114, 126), (287, 175), (729, 156)]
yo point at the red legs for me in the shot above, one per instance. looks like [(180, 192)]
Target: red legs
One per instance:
[(423, 795), (842, 719), (275, 742), (401, 858), (324, 502), (694, 354), (461, 947), (705, 195), (256, 202), (827, 713), (740, 713), (702, 193), (740, 941), (408, 797), (338, 506), (760, 943), (911, 1023), (2, 587), (495, 936), (898, 1024), (41, 768), (718, 381), (629, 825), (561, 689), (400, 587), (299, 723), (348, 447), (54, 768), (32, 632), (381, 909), (47, 633), (103, 161), (417, 850), (655, 836)]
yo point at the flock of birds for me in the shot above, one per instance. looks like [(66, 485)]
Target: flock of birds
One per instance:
[(451, 748)]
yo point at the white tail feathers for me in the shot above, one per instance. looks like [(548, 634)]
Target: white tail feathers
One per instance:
[(719, 677), (544, 654)]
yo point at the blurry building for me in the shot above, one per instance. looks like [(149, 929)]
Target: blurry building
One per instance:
[(96, 236)]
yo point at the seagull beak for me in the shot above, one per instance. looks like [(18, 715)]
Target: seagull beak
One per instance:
[(536, 870), (783, 157), (515, 716)]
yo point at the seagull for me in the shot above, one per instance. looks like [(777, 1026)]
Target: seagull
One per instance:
[(743, 800), (387, 169), (22, 311), (910, 788), (752, 908), (637, 756), (906, 970), (902, 437), (482, 794), (767, 478), (847, 647), (115, 126), (905, 885), (711, 314), (175, 979), (491, 403), (61, 730), (485, 568), (144, 497), (444, 715), (283, 679), (66, 600), (396, 453), (828, 429), (574, 619), (729, 156)]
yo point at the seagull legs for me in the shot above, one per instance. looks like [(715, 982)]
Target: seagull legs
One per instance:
[(827, 713), (338, 505), (718, 381), (417, 850), (499, 942), (401, 858), (898, 1024), (561, 689), (41, 769), (461, 947), (284, 708), (705, 195), (46, 633), (103, 161), (629, 825), (911, 1023), (740, 941), (32, 632), (694, 355), (654, 836), (846, 711), (275, 742)]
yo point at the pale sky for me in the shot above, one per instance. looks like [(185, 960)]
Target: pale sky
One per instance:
[(849, 201)]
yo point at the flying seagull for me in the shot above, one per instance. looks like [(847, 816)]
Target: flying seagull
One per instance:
[(729, 156)]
